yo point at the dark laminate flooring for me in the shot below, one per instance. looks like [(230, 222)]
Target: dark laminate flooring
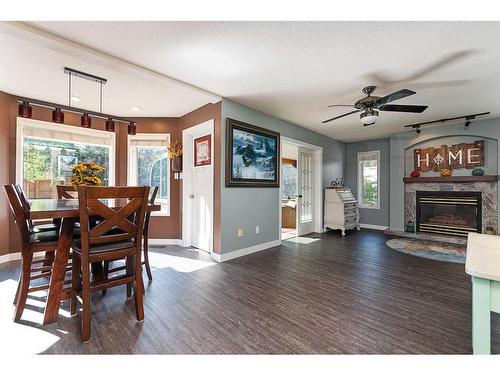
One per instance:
[(316, 294)]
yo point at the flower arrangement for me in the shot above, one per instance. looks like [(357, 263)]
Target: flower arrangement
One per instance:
[(86, 174), (174, 149)]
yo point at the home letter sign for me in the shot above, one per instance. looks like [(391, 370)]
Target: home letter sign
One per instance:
[(463, 155)]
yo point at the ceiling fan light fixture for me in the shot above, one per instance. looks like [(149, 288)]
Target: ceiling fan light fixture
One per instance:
[(369, 117)]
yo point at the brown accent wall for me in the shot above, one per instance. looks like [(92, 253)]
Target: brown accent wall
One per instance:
[(161, 226)]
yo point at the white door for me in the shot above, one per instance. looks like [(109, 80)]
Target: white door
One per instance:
[(305, 201), (201, 207)]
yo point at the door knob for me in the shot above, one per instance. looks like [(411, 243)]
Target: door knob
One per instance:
[(191, 196)]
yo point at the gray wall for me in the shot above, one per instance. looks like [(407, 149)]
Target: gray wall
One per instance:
[(247, 208), (401, 142), (369, 215)]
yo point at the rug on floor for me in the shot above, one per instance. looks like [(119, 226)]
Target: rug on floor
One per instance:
[(445, 252)]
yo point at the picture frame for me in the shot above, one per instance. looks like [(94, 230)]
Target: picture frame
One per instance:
[(252, 155), (203, 151)]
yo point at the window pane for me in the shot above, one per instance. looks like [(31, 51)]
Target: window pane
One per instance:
[(289, 186), (369, 181), (48, 163), (152, 168)]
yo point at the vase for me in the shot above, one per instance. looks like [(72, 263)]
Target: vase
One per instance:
[(478, 172), (446, 172), (177, 164)]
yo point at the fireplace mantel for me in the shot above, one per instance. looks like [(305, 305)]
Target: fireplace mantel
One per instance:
[(412, 180)]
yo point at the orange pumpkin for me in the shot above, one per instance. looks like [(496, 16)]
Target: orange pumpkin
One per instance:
[(445, 172)]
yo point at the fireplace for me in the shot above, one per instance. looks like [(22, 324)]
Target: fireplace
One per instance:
[(449, 212)]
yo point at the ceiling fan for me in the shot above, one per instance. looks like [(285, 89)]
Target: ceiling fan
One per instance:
[(369, 106)]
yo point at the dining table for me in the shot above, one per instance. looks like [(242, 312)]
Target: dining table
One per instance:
[(68, 211)]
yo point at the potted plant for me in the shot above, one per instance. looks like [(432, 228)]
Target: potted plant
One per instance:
[(175, 155), (86, 174)]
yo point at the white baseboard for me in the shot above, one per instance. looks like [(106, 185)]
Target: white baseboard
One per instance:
[(372, 226), (165, 241), (242, 252), (10, 257)]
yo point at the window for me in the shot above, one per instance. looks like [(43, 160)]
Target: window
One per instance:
[(149, 166), (369, 179), (289, 179), (46, 153)]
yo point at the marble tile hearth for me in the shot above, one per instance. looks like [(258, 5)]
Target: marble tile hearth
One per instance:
[(489, 200)]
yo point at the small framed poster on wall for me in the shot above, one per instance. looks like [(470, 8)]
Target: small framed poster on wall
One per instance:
[(203, 151)]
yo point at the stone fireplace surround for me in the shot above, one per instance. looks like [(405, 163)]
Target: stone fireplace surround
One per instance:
[(488, 192)]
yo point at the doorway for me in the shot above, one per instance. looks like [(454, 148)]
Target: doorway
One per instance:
[(301, 188), (198, 182)]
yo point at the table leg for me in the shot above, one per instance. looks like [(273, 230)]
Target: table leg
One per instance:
[(481, 325), (59, 271)]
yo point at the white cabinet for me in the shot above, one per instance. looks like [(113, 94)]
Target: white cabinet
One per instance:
[(341, 210)]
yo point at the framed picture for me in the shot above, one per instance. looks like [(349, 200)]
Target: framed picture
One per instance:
[(203, 151), (251, 155)]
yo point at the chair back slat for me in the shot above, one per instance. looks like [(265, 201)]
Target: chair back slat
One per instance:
[(128, 220), (152, 198), (19, 213), (25, 204), (66, 192)]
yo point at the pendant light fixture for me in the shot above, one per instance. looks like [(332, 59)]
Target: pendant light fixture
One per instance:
[(131, 129), (58, 116), (110, 125), (86, 121), (25, 110)]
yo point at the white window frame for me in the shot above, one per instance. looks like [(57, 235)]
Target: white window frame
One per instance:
[(132, 168), (23, 123), (360, 182)]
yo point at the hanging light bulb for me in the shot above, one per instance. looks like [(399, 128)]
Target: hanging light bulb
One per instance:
[(110, 125), (58, 116), (131, 129), (86, 120), (25, 110)]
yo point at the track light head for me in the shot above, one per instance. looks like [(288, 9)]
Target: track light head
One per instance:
[(418, 130), (25, 110), (131, 129), (58, 116), (86, 121), (110, 125), (467, 123)]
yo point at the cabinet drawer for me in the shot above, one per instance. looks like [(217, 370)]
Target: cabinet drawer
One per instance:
[(350, 206), (350, 212)]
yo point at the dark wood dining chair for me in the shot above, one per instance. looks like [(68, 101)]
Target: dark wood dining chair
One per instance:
[(145, 262), (100, 243), (31, 243), (66, 192), (33, 227)]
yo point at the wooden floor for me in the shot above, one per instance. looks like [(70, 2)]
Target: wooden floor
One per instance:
[(318, 294)]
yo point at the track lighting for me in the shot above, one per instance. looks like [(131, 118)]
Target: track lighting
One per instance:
[(110, 125), (131, 129), (58, 116), (25, 110), (418, 130), (86, 121), (467, 123)]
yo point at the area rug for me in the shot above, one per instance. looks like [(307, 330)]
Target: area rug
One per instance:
[(442, 251)]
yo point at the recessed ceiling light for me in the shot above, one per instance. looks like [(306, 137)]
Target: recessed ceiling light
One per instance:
[(75, 98), (136, 108)]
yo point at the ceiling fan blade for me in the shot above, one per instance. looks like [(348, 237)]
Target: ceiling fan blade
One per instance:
[(341, 105), (403, 108), (396, 96), (337, 117)]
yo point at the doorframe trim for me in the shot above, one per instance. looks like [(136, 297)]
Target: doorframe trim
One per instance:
[(204, 128), (318, 181)]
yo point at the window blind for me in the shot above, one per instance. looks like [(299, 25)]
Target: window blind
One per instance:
[(62, 135), (164, 141), (368, 156)]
